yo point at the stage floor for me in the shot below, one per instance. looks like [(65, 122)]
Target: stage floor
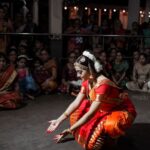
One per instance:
[(25, 128)]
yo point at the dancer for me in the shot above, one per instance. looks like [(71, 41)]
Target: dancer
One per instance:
[(101, 112)]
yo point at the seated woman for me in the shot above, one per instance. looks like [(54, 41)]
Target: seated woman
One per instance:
[(119, 70), (100, 113), (49, 83), (9, 96), (140, 76), (106, 65), (69, 81), (12, 55)]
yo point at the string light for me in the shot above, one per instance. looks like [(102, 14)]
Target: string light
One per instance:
[(123, 11), (95, 9), (114, 10), (86, 8), (141, 12), (65, 8), (76, 8)]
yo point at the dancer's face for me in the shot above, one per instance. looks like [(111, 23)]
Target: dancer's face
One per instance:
[(81, 73)]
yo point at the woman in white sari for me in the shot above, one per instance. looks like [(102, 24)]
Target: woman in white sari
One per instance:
[(141, 75)]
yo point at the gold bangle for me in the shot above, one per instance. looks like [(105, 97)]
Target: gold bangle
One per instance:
[(66, 115)]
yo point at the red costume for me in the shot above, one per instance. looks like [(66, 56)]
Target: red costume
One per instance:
[(115, 114)]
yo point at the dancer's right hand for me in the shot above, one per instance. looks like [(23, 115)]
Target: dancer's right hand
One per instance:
[(53, 126)]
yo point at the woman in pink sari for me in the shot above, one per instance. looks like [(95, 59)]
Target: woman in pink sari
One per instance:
[(9, 97), (101, 112)]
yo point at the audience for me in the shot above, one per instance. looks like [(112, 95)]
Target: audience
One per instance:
[(23, 48), (69, 79), (9, 93), (119, 70), (39, 73), (75, 41), (141, 75), (37, 47), (26, 82), (34, 69), (107, 67), (12, 55), (50, 69), (5, 27)]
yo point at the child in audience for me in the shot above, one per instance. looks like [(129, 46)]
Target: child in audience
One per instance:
[(27, 84)]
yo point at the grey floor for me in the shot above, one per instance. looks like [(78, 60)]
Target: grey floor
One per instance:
[(25, 128)]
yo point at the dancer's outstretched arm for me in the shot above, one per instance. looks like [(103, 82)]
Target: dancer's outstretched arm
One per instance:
[(71, 108), (87, 116)]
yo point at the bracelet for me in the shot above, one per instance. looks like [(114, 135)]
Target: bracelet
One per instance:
[(66, 115)]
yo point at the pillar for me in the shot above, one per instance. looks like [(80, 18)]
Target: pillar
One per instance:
[(133, 12), (99, 17), (147, 11), (55, 16), (36, 11), (55, 27)]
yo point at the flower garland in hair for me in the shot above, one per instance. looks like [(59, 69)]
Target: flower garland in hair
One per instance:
[(98, 67), (89, 55)]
